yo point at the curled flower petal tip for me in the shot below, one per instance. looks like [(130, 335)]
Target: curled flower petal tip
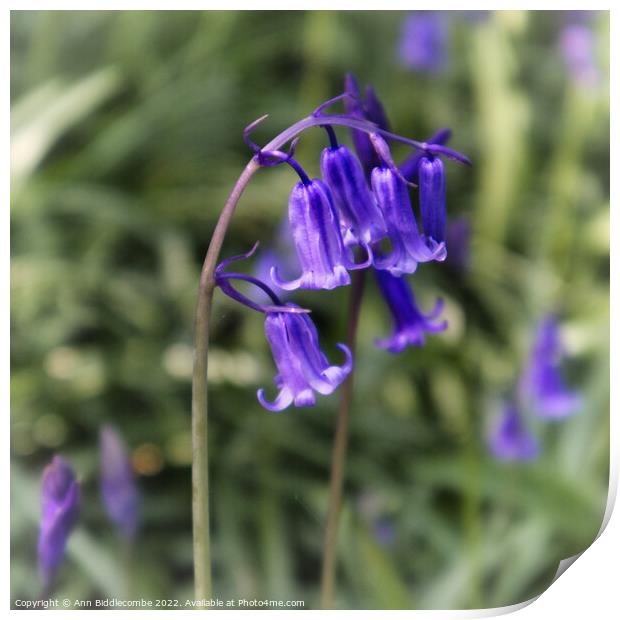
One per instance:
[(302, 367)]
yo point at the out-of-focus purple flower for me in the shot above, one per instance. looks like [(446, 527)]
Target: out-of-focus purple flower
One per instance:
[(577, 46), (409, 247), (458, 238), (410, 325), (510, 439), (361, 220), (424, 41), (118, 483), (60, 502), (302, 367), (384, 531), (373, 509), (541, 385)]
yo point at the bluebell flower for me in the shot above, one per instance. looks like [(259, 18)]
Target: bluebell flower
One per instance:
[(510, 439), (424, 41), (322, 255), (60, 502), (302, 366), (410, 324), (294, 340), (119, 490), (360, 217), (541, 385), (577, 46), (432, 182), (409, 247)]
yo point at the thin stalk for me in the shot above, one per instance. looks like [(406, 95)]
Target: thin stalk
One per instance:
[(339, 451), (200, 455)]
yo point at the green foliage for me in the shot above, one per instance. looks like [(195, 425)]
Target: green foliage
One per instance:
[(127, 137)]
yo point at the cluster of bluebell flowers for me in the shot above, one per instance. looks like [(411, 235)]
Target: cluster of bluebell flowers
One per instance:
[(358, 215), (541, 393)]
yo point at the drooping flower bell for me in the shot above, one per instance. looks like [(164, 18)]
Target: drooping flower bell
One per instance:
[(302, 367), (409, 247), (318, 242), (119, 490), (410, 324), (60, 503), (360, 217), (541, 385), (510, 439), (432, 183)]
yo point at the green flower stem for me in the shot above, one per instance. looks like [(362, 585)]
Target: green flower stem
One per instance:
[(200, 458), (339, 452)]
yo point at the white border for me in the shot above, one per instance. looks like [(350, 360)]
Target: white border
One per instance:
[(587, 587)]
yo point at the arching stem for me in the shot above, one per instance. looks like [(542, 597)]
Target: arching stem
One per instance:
[(200, 458)]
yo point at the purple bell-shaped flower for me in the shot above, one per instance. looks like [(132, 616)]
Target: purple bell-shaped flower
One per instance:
[(432, 182), (409, 247), (360, 217), (302, 366), (410, 325)]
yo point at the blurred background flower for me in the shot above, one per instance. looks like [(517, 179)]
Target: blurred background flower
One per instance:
[(424, 41), (60, 507), (510, 439), (126, 139), (119, 489)]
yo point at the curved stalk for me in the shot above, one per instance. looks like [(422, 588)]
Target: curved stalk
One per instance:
[(200, 458), (339, 451)]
